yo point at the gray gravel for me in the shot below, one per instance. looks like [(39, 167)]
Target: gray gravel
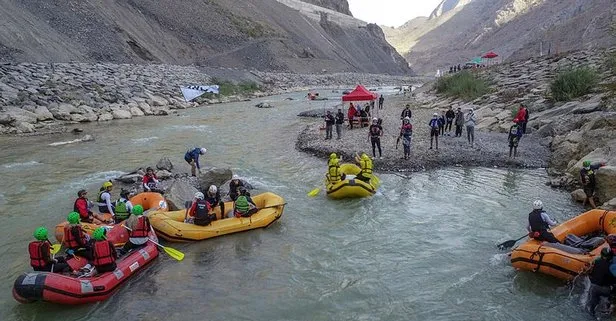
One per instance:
[(491, 149)]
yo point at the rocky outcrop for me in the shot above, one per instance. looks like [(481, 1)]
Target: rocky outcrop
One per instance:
[(164, 164), (214, 176), (341, 6), (264, 105), (178, 193)]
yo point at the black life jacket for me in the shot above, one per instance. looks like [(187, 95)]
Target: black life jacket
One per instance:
[(375, 131), (600, 274), (202, 212), (536, 222), (102, 208)]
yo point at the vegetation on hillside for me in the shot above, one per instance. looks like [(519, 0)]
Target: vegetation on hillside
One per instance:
[(464, 85), (229, 88), (573, 83)]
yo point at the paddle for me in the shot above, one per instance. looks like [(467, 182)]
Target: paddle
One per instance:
[(270, 206), (170, 251), (510, 243), (314, 192), (55, 248)]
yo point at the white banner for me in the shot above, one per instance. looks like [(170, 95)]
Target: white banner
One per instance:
[(192, 92)]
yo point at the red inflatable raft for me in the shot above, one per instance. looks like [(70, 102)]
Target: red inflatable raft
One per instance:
[(65, 289)]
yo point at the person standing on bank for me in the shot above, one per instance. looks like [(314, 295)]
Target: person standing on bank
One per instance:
[(471, 121), (192, 158), (434, 129), (329, 125), (375, 132), (339, 123), (381, 101), (459, 122), (589, 181), (450, 115), (406, 112)]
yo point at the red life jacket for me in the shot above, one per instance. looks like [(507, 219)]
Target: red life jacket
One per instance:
[(36, 249), (69, 239), (81, 207), (103, 254), (142, 228)]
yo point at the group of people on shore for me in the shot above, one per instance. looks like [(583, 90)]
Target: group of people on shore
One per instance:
[(355, 114)]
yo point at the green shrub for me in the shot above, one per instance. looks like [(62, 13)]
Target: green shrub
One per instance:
[(464, 85), (228, 88), (573, 83)]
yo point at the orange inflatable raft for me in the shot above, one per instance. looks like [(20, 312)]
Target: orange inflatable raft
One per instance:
[(116, 233), (565, 261)]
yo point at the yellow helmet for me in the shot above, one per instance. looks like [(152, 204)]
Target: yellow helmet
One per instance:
[(364, 156), (107, 184), (333, 155)]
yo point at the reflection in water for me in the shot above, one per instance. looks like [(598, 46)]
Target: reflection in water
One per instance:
[(509, 184)]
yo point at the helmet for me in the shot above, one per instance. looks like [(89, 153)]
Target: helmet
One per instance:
[(516, 120), (82, 192), (611, 239), (607, 253), (375, 119), (149, 169), (435, 114), (333, 155), (235, 176), (73, 218), (199, 195), (99, 234), (124, 193), (537, 205), (407, 118), (586, 163), (41, 233), (203, 151), (137, 210), (407, 105), (107, 184), (364, 156), (213, 189)]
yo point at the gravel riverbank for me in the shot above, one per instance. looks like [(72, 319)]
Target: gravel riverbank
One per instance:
[(491, 149)]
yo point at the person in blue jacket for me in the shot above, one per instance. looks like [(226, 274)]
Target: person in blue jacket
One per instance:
[(515, 133), (434, 131), (192, 158)]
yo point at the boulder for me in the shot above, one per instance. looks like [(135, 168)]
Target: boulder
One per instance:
[(121, 114), (145, 107), (487, 122), (316, 113), (264, 105), (87, 112), (606, 183), (105, 117), (136, 112), (24, 127), (546, 130), (164, 164), (161, 111), (609, 205), (130, 178), (163, 174), (62, 111), (42, 113), (79, 118), (6, 119), (158, 101), (178, 193), (578, 195), (20, 115), (214, 176)]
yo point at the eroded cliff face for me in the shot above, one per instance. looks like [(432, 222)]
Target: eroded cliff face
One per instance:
[(459, 30), (247, 34)]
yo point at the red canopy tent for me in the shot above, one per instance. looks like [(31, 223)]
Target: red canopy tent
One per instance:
[(490, 55), (360, 93)]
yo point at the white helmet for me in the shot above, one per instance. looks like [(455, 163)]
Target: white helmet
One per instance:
[(435, 114), (537, 205), (213, 189), (199, 196), (407, 118), (235, 176), (203, 151), (375, 119)]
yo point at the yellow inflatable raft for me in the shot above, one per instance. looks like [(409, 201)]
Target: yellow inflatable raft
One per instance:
[(351, 187), (171, 227), (567, 261)]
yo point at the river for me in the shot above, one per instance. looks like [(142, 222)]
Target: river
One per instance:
[(421, 249)]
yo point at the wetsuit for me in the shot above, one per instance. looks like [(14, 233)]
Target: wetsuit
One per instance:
[(376, 131), (588, 179)]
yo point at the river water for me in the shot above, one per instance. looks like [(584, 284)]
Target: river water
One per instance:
[(421, 249)]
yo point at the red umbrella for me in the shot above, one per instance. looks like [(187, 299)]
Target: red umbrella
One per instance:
[(490, 55)]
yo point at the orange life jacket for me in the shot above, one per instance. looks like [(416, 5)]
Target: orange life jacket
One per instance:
[(70, 241), (36, 249), (103, 254), (142, 227)]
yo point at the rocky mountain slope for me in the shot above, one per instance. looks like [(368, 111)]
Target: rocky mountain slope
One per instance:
[(341, 6), (271, 35), (461, 29)]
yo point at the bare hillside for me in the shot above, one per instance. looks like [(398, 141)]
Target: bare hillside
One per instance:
[(461, 29), (248, 34)]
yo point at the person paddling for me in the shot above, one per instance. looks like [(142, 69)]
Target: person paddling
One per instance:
[(104, 254), (244, 205), (334, 175), (40, 254), (139, 226), (365, 163), (192, 158), (538, 224), (75, 239)]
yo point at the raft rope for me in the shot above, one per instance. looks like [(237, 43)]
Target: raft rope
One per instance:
[(540, 254), (602, 221)]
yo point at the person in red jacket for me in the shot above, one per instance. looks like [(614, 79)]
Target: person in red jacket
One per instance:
[(139, 227), (76, 241), (82, 207), (40, 254), (522, 117), (104, 254), (351, 114), (150, 181)]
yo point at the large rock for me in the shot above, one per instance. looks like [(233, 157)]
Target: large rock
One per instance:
[(215, 176), (62, 111), (164, 164), (178, 193), (158, 101), (20, 115), (42, 113), (87, 112), (578, 195), (163, 174), (161, 110), (609, 205), (606, 183), (145, 107), (121, 114), (135, 111), (130, 178), (264, 105), (24, 127), (105, 117)]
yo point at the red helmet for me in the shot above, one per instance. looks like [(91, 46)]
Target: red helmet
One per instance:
[(516, 120)]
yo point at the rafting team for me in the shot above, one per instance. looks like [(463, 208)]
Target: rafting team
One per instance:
[(334, 174), (602, 273), (101, 253)]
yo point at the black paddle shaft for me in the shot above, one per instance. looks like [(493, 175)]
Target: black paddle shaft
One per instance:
[(510, 243)]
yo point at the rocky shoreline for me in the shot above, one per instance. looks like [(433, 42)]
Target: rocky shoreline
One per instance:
[(490, 149), (45, 97)]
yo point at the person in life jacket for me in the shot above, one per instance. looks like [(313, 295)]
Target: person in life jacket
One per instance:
[(199, 212), (213, 198), (375, 132), (244, 206), (538, 224), (139, 226), (104, 199), (41, 258), (82, 206), (122, 207), (434, 124), (104, 254), (150, 181), (515, 133), (589, 181), (406, 112), (602, 277), (234, 184), (365, 163), (76, 241), (406, 131), (334, 175), (192, 158)]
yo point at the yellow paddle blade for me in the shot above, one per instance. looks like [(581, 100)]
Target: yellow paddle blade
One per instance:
[(174, 253), (314, 192), (55, 248)]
